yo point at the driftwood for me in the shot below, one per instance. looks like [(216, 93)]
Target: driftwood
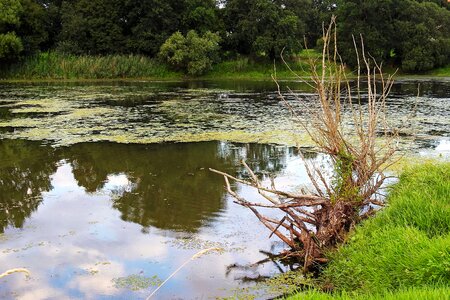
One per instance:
[(311, 223)]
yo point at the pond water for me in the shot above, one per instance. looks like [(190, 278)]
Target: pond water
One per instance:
[(104, 187)]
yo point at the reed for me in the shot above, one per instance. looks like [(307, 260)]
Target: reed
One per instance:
[(16, 270), (55, 65), (194, 257)]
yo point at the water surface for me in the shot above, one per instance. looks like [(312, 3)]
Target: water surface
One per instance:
[(82, 217), (153, 112), (104, 187)]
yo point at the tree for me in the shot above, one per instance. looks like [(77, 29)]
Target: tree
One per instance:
[(262, 27), (423, 36), (32, 28), (10, 43), (372, 19), (201, 16), (92, 26), (193, 54), (411, 34), (52, 21), (147, 24), (312, 223)]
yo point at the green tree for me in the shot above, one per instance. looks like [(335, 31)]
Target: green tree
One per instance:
[(147, 24), (414, 35), (423, 31), (373, 19), (10, 43), (201, 16), (92, 26), (32, 28), (263, 27), (193, 54), (52, 21)]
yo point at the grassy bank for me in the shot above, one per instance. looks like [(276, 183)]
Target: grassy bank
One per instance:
[(53, 65), (403, 252), (442, 72), (57, 66), (428, 293)]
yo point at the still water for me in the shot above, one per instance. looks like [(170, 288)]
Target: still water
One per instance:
[(104, 188)]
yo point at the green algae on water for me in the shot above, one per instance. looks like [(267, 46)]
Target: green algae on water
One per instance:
[(136, 282)]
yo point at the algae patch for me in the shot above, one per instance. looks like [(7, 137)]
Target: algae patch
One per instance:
[(194, 243), (70, 116), (66, 115), (136, 282), (275, 287)]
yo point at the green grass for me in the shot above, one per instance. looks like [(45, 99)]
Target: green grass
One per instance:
[(53, 65), (444, 72), (404, 251), (246, 68), (56, 66), (428, 293)]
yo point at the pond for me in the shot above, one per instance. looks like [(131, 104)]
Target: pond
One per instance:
[(105, 189)]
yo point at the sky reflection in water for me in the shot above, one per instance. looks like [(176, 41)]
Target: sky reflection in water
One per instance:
[(90, 213)]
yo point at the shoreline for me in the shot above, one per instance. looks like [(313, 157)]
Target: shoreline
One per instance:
[(203, 78)]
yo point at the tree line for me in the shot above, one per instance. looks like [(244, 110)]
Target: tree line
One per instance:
[(193, 34)]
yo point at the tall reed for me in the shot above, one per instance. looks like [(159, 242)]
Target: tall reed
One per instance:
[(55, 65)]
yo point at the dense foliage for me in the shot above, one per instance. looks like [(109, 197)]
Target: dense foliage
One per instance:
[(193, 54), (10, 44), (411, 34), (414, 35)]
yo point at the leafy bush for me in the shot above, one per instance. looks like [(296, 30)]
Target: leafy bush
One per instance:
[(10, 45), (192, 54)]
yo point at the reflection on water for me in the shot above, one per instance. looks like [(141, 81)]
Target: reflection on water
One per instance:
[(172, 188), (78, 217), (24, 175)]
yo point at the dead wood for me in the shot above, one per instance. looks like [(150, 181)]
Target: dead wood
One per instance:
[(312, 223)]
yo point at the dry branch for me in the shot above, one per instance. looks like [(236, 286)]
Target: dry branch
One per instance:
[(314, 222)]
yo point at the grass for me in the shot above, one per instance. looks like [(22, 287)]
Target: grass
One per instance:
[(428, 293), (54, 65), (245, 68), (444, 72), (403, 252)]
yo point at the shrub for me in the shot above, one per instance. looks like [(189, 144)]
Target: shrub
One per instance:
[(192, 54), (10, 45)]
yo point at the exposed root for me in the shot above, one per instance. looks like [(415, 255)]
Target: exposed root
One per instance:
[(313, 222)]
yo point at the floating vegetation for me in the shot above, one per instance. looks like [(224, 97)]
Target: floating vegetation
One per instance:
[(3, 237), (277, 286), (194, 243), (160, 112), (136, 282), (124, 114), (92, 271), (285, 283)]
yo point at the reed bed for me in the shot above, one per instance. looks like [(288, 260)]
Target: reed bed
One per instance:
[(55, 65)]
